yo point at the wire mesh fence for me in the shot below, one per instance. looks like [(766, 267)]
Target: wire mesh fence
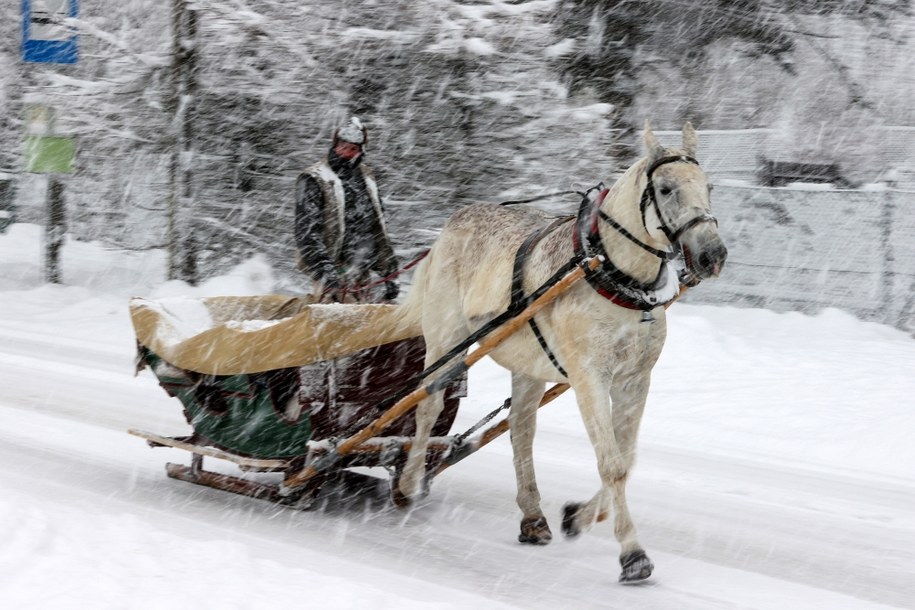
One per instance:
[(806, 250)]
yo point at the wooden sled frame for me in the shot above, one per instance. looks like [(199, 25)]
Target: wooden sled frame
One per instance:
[(304, 475), (387, 452)]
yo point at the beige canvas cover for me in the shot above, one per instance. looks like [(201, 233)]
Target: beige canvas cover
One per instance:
[(232, 335)]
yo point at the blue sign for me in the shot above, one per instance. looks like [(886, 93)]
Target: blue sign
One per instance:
[(46, 37)]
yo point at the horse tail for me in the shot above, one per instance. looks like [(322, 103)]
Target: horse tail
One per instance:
[(410, 311)]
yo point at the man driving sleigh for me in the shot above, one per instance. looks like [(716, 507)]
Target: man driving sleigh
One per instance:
[(339, 229)]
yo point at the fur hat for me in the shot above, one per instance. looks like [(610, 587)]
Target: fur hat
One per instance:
[(352, 132)]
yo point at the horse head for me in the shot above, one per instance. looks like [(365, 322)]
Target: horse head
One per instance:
[(676, 207)]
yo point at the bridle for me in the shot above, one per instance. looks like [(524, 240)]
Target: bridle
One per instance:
[(649, 198), (610, 281)]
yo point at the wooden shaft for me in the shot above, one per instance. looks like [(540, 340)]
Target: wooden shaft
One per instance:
[(413, 398), (497, 430), (500, 334)]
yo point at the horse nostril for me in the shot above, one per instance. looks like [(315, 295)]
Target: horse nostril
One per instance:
[(705, 261), (714, 258)]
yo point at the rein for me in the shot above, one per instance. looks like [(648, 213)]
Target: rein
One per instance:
[(541, 197), (609, 281), (387, 278), (365, 287)]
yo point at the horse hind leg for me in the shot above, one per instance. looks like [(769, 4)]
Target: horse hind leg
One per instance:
[(578, 517), (526, 395), (410, 483)]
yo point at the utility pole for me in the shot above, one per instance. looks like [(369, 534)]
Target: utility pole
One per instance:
[(182, 103)]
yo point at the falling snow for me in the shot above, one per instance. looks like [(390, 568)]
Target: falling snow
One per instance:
[(775, 466), (774, 472)]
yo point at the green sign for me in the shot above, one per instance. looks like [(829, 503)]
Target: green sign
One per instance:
[(49, 154)]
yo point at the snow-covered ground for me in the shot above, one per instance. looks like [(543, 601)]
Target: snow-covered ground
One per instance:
[(776, 470)]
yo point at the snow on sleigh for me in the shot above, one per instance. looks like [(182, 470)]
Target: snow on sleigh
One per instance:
[(277, 384)]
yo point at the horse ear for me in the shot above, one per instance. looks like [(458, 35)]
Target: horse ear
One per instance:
[(690, 139), (653, 148)]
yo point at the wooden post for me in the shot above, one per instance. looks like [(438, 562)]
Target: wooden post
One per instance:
[(189, 66), (171, 107), (55, 229), (6, 202)]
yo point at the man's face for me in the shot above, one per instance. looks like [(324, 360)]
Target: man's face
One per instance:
[(347, 150)]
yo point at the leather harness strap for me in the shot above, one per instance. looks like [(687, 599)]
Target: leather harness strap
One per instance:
[(517, 289), (609, 281)]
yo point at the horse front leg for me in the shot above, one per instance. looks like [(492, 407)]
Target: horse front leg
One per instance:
[(612, 430), (522, 419), (628, 406)]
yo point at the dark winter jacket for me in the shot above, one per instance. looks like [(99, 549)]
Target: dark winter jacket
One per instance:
[(339, 223)]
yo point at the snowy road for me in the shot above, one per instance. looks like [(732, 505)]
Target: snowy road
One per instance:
[(738, 503), (724, 532)]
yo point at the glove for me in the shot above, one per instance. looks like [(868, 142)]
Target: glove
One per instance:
[(331, 286), (391, 290), (327, 275)]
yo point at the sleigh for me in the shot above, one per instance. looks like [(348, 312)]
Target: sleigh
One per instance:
[(294, 394)]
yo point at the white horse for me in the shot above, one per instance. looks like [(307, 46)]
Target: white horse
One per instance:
[(603, 336)]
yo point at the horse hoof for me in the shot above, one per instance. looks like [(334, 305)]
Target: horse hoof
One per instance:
[(535, 530), (400, 499), (636, 567), (569, 512), (301, 502)]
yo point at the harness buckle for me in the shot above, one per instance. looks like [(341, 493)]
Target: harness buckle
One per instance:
[(594, 192)]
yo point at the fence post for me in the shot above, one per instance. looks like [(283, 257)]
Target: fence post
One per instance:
[(886, 230), (905, 296)]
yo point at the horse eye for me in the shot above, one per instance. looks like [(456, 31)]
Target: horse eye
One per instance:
[(665, 190)]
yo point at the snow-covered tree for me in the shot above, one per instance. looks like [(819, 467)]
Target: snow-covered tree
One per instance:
[(464, 100), (695, 60)]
